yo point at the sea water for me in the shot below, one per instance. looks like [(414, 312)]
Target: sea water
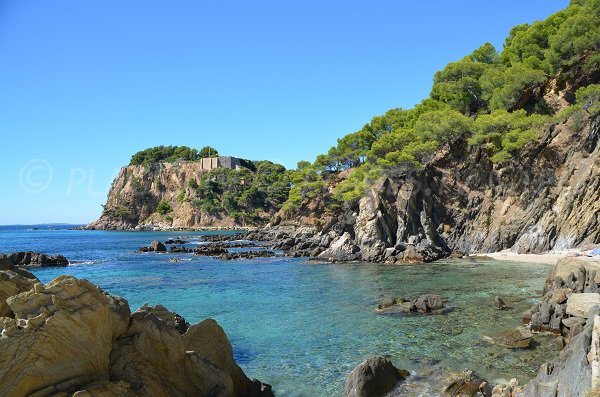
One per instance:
[(302, 326)]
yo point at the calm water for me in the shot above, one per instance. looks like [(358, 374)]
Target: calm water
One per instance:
[(301, 326)]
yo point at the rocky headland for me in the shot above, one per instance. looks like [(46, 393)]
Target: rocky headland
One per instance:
[(460, 203)]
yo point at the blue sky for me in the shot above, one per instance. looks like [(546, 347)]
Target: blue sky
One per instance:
[(85, 84)]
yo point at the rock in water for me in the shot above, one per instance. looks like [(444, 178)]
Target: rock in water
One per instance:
[(374, 377), (155, 246), (518, 338), (69, 337), (466, 384), (429, 303), (499, 303), (36, 259)]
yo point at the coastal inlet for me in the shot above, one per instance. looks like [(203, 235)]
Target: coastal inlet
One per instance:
[(303, 326)]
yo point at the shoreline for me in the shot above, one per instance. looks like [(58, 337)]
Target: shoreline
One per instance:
[(548, 258)]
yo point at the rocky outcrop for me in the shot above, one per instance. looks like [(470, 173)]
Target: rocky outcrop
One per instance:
[(155, 246), (374, 377), (570, 290), (70, 337), (36, 259), (545, 198), (570, 374), (137, 190)]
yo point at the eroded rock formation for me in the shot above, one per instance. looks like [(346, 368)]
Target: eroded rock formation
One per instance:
[(69, 336)]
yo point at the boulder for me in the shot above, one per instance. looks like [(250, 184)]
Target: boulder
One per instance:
[(424, 304), (155, 246), (341, 249), (69, 337), (466, 384), (429, 303), (36, 259), (570, 374), (374, 377), (61, 336), (208, 339), (499, 303), (579, 305), (518, 338), (175, 241), (152, 357)]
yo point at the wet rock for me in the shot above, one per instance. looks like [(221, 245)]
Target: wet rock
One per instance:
[(155, 246), (429, 303), (466, 384), (518, 338), (177, 249), (175, 241), (247, 255), (424, 304), (36, 259), (210, 250), (499, 303), (374, 377)]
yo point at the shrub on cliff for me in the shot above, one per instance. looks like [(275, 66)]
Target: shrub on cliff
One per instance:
[(163, 208)]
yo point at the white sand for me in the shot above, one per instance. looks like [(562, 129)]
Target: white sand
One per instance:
[(548, 258)]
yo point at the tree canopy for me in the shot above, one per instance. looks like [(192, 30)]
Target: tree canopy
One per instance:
[(492, 99)]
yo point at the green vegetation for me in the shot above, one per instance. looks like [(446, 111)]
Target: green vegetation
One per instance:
[(208, 151), (588, 99), (243, 194), (493, 100), (122, 212), (163, 208), (164, 154)]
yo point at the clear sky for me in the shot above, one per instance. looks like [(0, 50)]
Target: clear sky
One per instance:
[(84, 84)]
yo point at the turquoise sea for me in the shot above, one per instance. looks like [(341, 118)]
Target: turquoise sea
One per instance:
[(302, 326)]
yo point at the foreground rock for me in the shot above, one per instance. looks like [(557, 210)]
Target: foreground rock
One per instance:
[(36, 259), (69, 336), (572, 373), (374, 377)]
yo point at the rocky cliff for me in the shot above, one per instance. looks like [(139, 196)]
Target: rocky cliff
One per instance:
[(69, 337), (546, 198), (137, 191)]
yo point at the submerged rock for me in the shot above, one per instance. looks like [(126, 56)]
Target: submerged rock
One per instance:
[(374, 377), (518, 338), (424, 304)]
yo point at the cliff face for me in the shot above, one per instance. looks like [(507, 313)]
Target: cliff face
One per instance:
[(547, 197), (138, 189)]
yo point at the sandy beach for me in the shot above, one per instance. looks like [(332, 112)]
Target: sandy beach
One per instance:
[(547, 257)]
